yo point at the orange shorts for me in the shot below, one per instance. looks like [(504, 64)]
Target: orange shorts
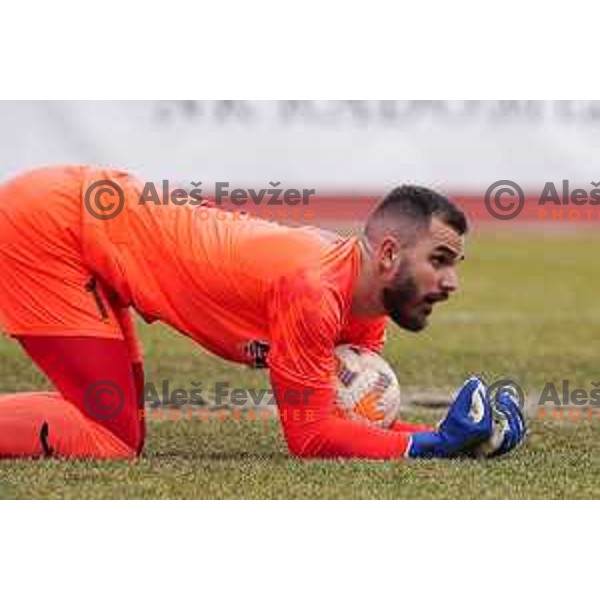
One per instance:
[(45, 287)]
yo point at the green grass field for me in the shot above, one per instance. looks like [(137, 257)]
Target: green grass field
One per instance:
[(527, 310)]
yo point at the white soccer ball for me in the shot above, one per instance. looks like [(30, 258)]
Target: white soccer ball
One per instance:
[(367, 387)]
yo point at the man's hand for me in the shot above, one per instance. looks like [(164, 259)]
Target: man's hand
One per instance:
[(509, 428), (467, 424)]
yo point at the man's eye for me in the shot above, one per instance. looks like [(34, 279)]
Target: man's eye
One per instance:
[(438, 261)]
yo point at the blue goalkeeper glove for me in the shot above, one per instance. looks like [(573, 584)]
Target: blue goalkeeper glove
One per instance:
[(509, 427), (467, 424)]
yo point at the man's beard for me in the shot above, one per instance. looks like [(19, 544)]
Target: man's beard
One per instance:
[(401, 296)]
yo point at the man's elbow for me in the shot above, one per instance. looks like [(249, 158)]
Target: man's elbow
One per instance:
[(301, 448), (311, 444)]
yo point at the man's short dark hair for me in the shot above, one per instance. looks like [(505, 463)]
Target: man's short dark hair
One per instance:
[(410, 208)]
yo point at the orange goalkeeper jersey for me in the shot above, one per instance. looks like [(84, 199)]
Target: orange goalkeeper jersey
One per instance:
[(232, 282)]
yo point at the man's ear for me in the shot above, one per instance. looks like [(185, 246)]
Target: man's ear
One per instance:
[(389, 255)]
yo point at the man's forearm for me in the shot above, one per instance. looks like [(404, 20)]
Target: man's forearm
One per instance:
[(312, 430)]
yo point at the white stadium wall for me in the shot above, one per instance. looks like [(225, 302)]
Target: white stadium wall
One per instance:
[(337, 147)]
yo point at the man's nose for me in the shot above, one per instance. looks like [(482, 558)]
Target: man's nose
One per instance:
[(449, 281)]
